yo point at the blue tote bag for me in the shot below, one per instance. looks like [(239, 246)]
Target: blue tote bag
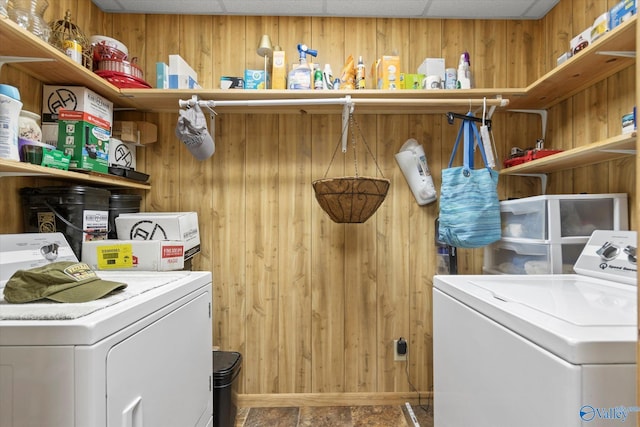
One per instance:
[(469, 204)]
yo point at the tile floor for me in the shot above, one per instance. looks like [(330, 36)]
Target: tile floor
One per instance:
[(335, 416)]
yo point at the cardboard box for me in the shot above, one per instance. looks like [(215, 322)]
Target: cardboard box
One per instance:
[(181, 226), (137, 132), (74, 98), (149, 255), (122, 154), (24, 251), (86, 139), (600, 26), (411, 81), (255, 79), (70, 98), (580, 41), (181, 75), (279, 72), (56, 159), (162, 75), (622, 12), (387, 72), (433, 67)]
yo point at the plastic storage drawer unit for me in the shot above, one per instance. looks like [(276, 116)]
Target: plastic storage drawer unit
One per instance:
[(504, 257), (554, 217), (226, 368)]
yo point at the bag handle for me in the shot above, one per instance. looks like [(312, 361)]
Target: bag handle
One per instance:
[(471, 137)]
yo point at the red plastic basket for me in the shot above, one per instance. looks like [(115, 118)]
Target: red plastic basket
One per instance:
[(123, 80)]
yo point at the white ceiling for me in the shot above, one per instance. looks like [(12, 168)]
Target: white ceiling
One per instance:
[(471, 9)]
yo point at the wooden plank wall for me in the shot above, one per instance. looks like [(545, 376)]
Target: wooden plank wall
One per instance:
[(313, 306)]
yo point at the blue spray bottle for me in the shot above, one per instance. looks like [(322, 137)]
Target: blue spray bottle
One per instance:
[(301, 77)]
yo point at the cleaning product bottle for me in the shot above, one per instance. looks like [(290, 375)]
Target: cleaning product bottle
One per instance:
[(318, 80), (327, 77), (464, 73), (360, 75), (301, 77)]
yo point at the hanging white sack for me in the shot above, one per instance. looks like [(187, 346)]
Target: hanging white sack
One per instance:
[(413, 163)]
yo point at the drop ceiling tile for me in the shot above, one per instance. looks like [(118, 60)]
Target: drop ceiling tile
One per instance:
[(109, 5), (273, 7), (472, 9), (191, 7), (476, 8), (395, 8)]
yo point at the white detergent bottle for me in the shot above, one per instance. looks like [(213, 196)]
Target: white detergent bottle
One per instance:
[(464, 72)]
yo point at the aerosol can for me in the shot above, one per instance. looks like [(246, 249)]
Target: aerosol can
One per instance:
[(301, 77)]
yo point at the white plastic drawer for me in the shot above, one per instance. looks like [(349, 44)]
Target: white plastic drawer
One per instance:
[(531, 258), (552, 218)]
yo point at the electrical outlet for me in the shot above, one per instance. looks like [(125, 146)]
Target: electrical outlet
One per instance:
[(397, 356)]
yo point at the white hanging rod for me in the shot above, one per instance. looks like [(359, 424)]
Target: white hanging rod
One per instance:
[(347, 100)]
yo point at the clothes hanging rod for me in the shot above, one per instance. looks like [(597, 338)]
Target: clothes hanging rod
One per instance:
[(347, 100)]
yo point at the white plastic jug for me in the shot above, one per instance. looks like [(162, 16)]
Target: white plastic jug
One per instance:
[(10, 107), (413, 163)]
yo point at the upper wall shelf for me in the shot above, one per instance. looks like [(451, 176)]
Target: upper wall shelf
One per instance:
[(13, 168), (597, 152), (14, 41), (583, 70)]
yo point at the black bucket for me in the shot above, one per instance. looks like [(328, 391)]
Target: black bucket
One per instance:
[(79, 212), (121, 203), (226, 368)]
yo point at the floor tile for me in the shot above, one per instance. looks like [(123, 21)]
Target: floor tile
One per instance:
[(272, 417), (325, 416), (378, 416)]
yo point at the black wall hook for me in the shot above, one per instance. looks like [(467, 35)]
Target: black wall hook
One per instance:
[(451, 116)]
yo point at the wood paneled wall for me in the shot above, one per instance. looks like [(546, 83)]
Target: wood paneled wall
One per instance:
[(313, 306)]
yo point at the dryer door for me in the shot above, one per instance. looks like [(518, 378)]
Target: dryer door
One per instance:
[(161, 376)]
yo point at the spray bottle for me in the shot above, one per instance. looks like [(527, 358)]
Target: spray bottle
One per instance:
[(464, 73), (301, 77)]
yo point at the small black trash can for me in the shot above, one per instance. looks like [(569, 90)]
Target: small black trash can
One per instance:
[(226, 368)]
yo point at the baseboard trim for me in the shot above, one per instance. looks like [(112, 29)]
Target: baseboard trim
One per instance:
[(278, 400)]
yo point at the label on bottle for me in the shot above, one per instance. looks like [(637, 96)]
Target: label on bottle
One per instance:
[(360, 77), (73, 50), (317, 80)]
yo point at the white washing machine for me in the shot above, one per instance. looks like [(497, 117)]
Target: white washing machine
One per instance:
[(539, 351), (141, 357)]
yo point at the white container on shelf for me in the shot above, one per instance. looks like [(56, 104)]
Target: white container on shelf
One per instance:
[(10, 107), (563, 218)]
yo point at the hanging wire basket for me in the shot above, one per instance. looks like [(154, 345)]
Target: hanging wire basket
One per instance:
[(351, 199)]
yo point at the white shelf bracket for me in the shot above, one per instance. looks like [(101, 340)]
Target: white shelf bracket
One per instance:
[(543, 180), (543, 118), (13, 59)]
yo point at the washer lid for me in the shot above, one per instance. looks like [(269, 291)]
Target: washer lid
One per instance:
[(578, 318)]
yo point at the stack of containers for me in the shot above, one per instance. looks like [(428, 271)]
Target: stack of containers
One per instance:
[(546, 234), (111, 62)]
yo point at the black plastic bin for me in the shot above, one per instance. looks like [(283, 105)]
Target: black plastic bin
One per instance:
[(78, 212), (121, 203), (226, 368)]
